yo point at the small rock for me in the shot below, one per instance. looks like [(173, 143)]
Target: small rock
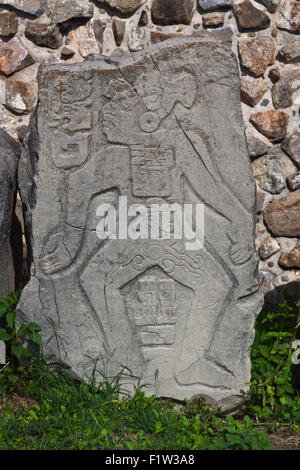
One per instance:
[(292, 147), (13, 57), (143, 21), (271, 5), (85, 39), (212, 4), (272, 124), (293, 181), (271, 171), (118, 28), (66, 10), (32, 7), (260, 200), (249, 17), (256, 147), (47, 35), (168, 12), (124, 6), (282, 216), (269, 247), (289, 16), (290, 53), (19, 97), (99, 28), (8, 23), (274, 74), (213, 19), (252, 90), (291, 260), (256, 54), (66, 52), (283, 91), (137, 40)]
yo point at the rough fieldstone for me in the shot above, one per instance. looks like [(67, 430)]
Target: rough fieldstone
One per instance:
[(212, 4), (32, 7), (268, 247), (118, 28), (283, 91), (9, 156), (292, 259), (168, 12), (260, 200), (14, 56), (252, 90), (124, 6), (271, 171), (272, 124), (137, 126), (137, 39), (271, 5), (256, 54), (19, 97), (274, 74), (256, 147), (282, 216), (47, 35), (67, 52), (292, 147), (289, 16), (66, 10), (293, 181), (213, 19), (99, 28), (86, 41), (249, 17), (8, 23), (290, 53)]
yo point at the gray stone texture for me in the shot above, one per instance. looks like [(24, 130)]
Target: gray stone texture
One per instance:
[(9, 156), (149, 126), (31, 7)]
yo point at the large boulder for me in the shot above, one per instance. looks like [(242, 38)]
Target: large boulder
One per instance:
[(9, 156), (163, 126)]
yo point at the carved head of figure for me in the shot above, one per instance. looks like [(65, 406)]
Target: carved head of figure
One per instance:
[(134, 110)]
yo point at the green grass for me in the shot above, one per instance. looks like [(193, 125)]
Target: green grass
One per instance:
[(42, 407)]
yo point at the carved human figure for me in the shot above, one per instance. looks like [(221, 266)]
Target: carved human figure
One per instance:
[(162, 156)]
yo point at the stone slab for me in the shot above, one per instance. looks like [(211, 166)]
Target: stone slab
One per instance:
[(161, 126)]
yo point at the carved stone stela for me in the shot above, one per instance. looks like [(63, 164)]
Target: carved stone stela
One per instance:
[(160, 126)]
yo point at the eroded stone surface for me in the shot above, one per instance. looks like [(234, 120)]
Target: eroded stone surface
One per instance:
[(65, 10), (292, 259), (213, 19), (8, 23), (124, 6), (212, 4), (33, 7), (252, 90), (14, 56), (269, 247), (9, 156), (19, 96), (249, 17), (256, 147), (144, 126), (293, 181), (290, 53), (271, 171), (256, 54), (282, 216), (292, 147), (272, 124), (284, 92), (271, 5), (44, 35), (289, 16), (168, 12)]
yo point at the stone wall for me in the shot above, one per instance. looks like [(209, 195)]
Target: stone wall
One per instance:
[(264, 38)]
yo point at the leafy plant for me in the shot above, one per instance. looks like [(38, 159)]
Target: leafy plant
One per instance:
[(13, 336), (274, 392)]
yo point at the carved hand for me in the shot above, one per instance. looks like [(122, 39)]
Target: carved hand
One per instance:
[(241, 248), (57, 256)]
